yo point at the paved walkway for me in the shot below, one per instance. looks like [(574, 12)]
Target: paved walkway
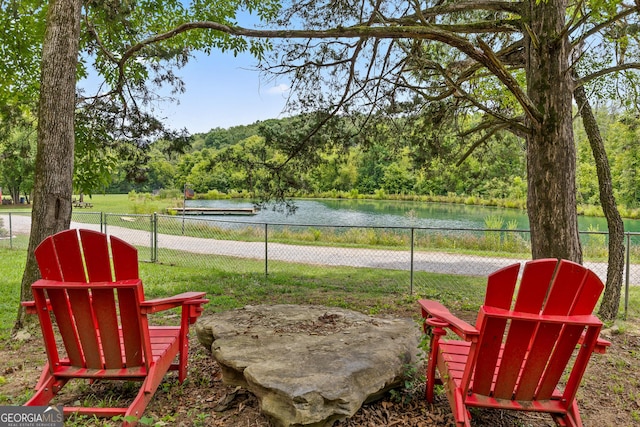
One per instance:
[(434, 262)]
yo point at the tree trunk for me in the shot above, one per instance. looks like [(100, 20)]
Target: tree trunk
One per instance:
[(551, 154), (53, 183), (15, 194), (611, 299)]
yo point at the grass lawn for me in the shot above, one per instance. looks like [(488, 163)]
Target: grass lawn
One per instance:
[(370, 291), (11, 269), (115, 203), (373, 291)]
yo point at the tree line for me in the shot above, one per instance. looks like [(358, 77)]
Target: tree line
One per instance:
[(393, 157)]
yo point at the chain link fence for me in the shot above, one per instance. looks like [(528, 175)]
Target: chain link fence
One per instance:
[(407, 259)]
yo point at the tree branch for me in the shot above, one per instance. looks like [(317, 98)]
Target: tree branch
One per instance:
[(604, 24), (507, 79), (425, 32), (518, 127), (492, 131), (466, 6), (499, 26), (609, 70)]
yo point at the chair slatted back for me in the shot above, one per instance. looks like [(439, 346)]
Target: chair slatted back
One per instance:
[(100, 325), (523, 359)]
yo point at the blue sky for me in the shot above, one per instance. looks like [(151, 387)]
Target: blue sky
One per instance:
[(223, 91)]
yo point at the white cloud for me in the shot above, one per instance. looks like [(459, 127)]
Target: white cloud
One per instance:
[(279, 89)]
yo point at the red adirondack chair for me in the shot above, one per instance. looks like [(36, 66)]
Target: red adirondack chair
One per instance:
[(94, 321), (515, 357)]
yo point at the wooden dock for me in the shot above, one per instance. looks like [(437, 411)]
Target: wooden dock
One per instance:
[(213, 211)]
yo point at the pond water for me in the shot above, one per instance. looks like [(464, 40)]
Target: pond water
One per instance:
[(389, 213)]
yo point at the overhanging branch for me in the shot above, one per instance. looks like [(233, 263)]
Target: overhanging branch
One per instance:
[(609, 70), (492, 131), (484, 55), (507, 79)]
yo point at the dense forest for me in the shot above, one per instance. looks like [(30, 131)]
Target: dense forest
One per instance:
[(398, 157), (390, 158), (405, 156)]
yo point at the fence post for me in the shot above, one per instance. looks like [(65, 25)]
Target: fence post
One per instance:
[(10, 232), (105, 224), (151, 238), (154, 237), (626, 282), (266, 250), (411, 275)]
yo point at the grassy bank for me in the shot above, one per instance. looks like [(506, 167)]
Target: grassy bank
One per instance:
[(119, 203), (132, 203), (373, 291), (367, 290)]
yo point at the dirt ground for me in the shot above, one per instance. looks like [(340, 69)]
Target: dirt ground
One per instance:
[(609, 395)]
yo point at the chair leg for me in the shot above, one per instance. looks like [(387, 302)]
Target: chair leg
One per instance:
[(48, 387), (183, 357), (139, 404), (431, 376), (44, 376), (154, 377), (571, 418), (436, 332), (460, 412), (136, 408)]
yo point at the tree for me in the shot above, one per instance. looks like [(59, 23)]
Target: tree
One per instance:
[(105, 30), (94, 154), (22, 22), (371, 168), (615, 268), (623, 137), (514, 61), (399, 47), (17, 160), (161, 170), (53, 180), (23, 29), (380, 55)]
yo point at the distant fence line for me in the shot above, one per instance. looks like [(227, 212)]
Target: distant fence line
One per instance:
[(417, 254)]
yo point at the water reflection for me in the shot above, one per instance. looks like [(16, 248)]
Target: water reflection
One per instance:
[(390, 213)]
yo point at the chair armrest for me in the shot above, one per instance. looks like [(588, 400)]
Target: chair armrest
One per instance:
[(434, 309), (161, 304)]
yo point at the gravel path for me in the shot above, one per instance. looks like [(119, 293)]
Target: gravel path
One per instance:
[(434, 262)]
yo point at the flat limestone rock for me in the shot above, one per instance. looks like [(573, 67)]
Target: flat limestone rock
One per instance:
[(310, 365)]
